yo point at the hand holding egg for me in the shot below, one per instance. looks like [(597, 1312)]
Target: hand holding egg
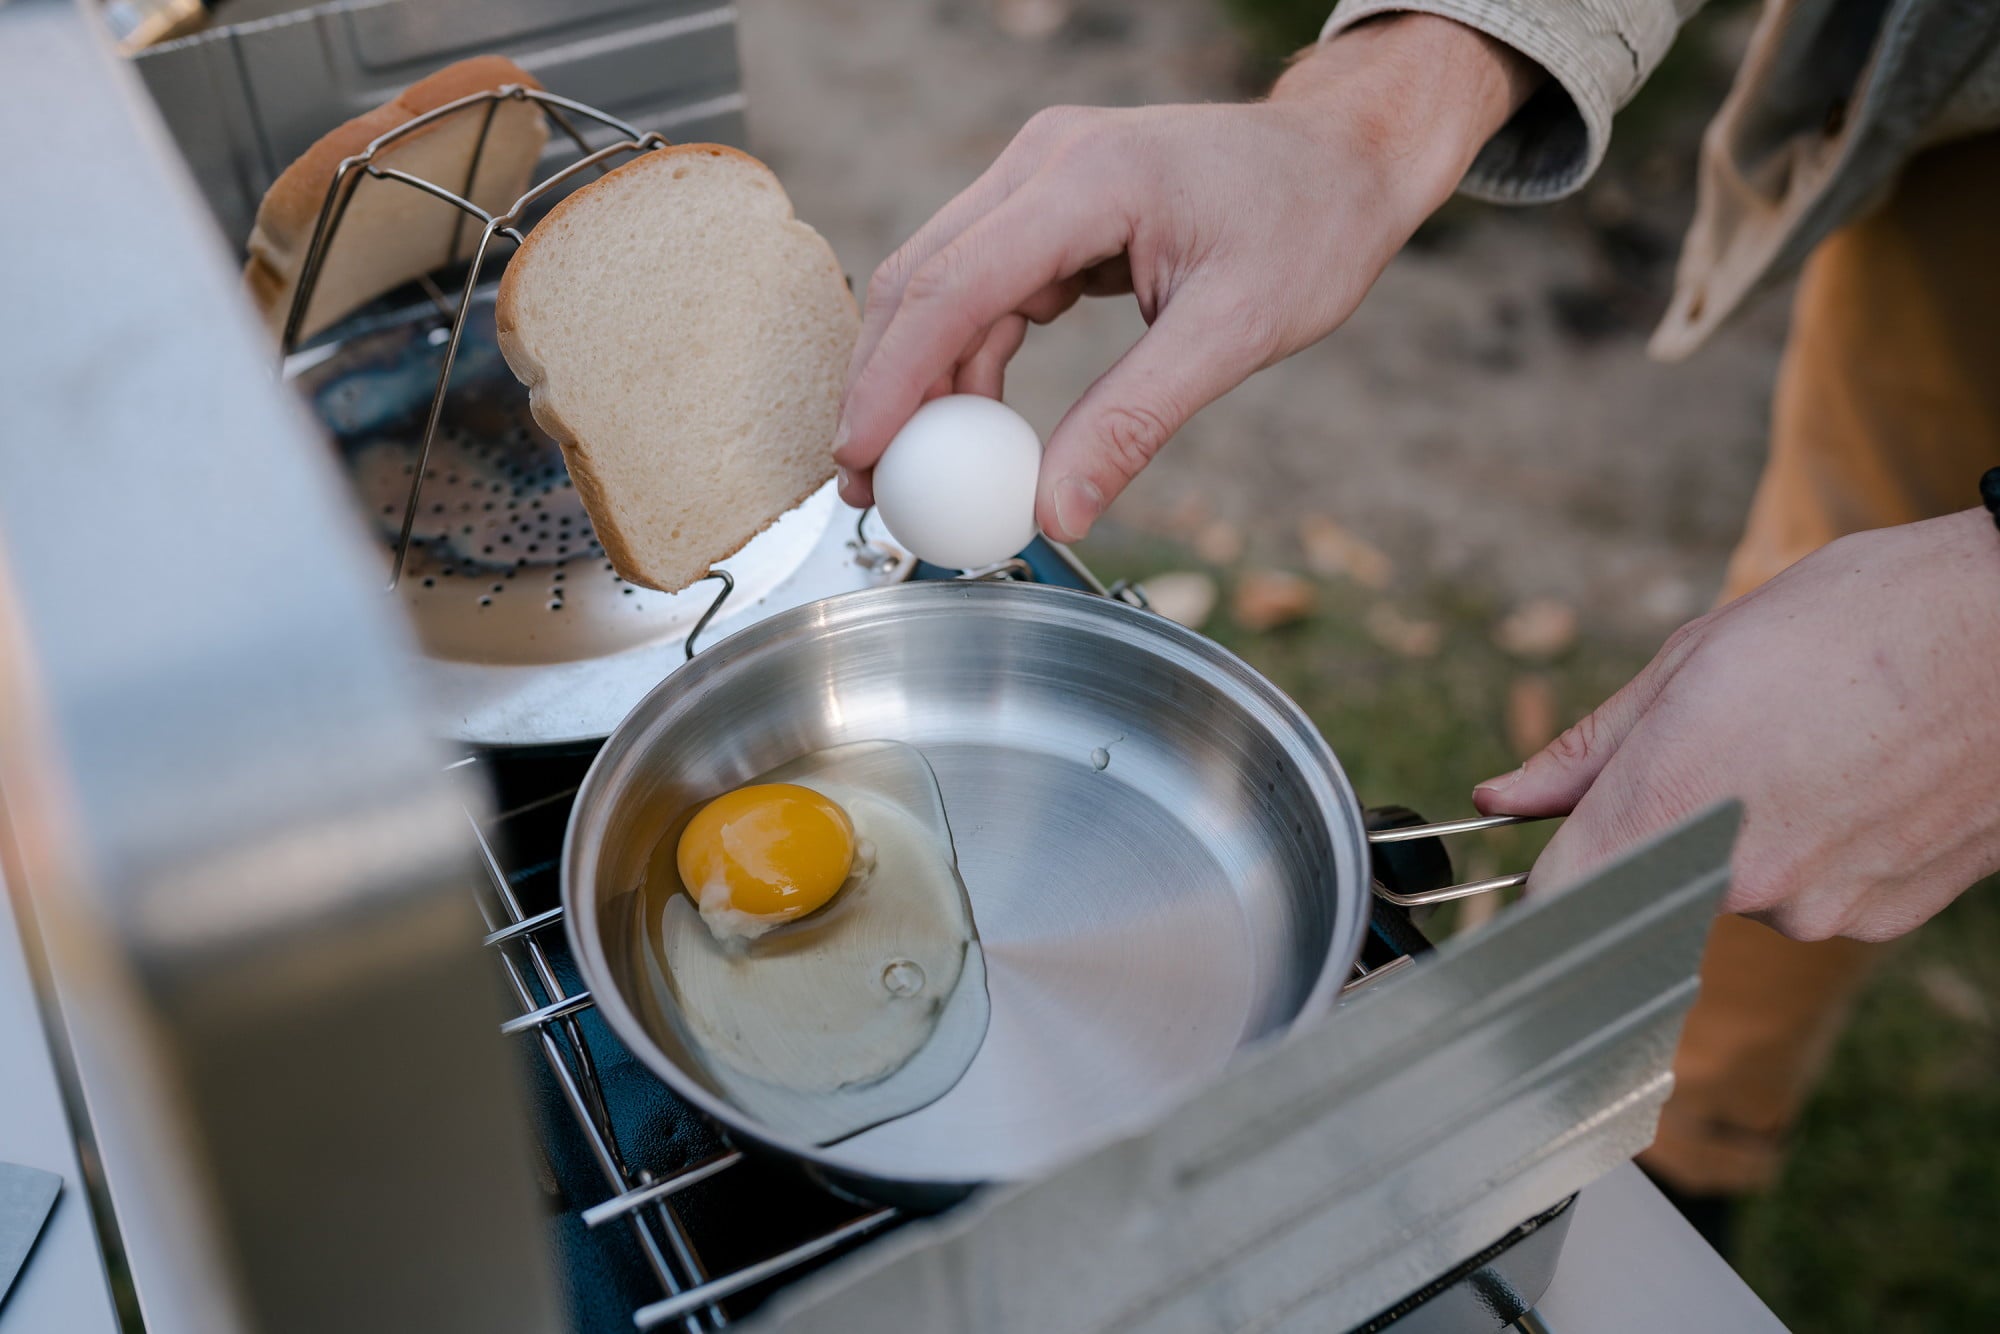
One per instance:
[(956, 485)]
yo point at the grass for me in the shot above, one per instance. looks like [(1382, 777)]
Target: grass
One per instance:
[(1888, 1217)]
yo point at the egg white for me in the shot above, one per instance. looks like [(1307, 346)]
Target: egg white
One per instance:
[(804, 1024)]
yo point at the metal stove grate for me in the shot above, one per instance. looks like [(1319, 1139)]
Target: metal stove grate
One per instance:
[(640, 1196)]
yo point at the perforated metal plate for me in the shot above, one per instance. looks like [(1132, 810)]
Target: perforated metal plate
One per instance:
[(530, 636)]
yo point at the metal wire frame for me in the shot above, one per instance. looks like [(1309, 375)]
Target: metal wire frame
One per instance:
[(662, 1240), (693, 1296), (1425, 897), (340, 193)]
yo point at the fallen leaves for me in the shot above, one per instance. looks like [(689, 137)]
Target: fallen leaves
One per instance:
[(1952, 993), (1219, 542), (1405, 635), (1332, 552), (1268, 599), (1537, 630), (1532, 720), (1187, 597)]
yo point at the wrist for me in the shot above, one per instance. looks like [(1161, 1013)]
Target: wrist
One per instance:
[(1955, 561), (1428, 92)]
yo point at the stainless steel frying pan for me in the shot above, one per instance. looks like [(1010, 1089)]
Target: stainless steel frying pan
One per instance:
[(1165, 860)]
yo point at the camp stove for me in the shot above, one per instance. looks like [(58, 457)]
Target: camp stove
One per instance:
[(244, 1004)]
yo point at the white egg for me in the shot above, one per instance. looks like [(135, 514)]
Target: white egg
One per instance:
[(956, 486), (867, 1009)]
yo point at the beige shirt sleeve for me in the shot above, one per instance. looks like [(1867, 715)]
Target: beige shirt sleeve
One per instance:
[(1597, 54)]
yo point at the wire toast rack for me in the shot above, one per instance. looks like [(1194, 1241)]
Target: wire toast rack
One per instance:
[(565, 113)]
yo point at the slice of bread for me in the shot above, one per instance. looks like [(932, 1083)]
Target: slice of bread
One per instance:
[(392, 232), (685, 337)]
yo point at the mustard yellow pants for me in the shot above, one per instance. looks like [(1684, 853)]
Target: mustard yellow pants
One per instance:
[(1887, 410)]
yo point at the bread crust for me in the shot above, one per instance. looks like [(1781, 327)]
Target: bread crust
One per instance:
[(530, 371), (649, 161), (290, 208)]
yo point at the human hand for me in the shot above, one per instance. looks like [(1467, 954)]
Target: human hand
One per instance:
[(1853, 703), (1247, 232)]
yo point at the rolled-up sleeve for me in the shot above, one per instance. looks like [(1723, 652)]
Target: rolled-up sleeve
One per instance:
[(1597, 54)]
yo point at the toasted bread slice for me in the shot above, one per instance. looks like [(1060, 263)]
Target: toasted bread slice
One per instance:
[(685, 337), (392, 232)]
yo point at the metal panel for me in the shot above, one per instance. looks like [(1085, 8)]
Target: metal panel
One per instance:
[(1323, 1180), (243, 100), (63, 1286), (1633, 1265), (250, 878), (206, 107)]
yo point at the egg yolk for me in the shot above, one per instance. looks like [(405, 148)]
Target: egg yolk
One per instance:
[(780, 850)]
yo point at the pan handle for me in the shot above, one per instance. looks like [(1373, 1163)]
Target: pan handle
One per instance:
[(1445, 829)]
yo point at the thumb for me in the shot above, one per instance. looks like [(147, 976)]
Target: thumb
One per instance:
[(1555, 778), (1182, 364)]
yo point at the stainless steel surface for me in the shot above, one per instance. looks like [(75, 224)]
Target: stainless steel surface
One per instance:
[(1446, 829), (243, 100), (548, 1014), (530, 636), (26, 1196), (66, 1288), (1470, 889), (248, 877), (523, 927), (658, 1231), (660, 1312), (1632, 1264), (1344, 1168), (620, 1205), (1143, 918)]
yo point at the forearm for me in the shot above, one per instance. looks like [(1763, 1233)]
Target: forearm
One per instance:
[(1438, 89), (1593, 55)]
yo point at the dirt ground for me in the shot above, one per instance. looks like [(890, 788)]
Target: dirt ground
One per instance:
[(1489, 418)]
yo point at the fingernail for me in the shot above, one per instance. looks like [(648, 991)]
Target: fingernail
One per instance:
[(842, 478), (1078, 503), (840, 437), (1502, 783)]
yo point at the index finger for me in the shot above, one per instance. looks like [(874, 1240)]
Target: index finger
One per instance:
[(1017, 164), (1044, 232), (885, 286)]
